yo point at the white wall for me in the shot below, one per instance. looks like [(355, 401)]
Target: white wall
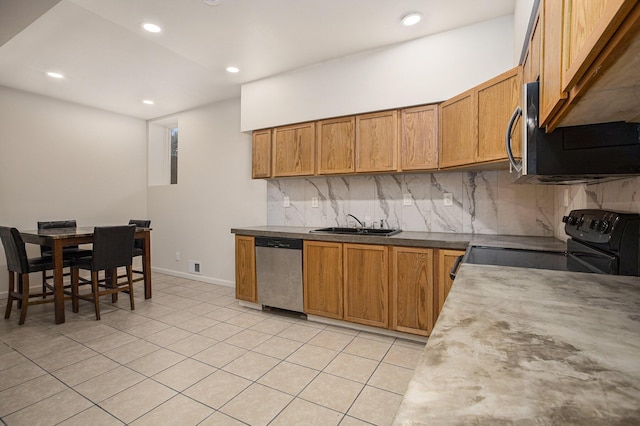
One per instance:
[(60, 160), (521, 17), (430, 69), (159, 155), (214, 193)]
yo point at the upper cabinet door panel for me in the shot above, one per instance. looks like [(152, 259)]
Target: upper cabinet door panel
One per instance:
[(261, 154), (551, 94), (497, 99), (336, 140), (377, 142), (458, 130), (294, 150), (589, 25), (419, 138)]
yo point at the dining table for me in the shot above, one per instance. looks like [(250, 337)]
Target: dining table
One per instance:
[(58, 238)]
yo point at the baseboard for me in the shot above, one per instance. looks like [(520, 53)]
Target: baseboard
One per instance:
[(195, 277)]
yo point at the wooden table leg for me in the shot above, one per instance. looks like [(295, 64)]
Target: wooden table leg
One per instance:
[(146, 265), (58, 280)]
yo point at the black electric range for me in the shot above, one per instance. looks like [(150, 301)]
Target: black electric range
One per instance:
[(601, 241)]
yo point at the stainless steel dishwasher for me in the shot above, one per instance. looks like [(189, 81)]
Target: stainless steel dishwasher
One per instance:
[(279, 272)]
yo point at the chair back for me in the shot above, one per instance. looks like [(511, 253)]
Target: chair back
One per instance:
[(139, 243), (112, 246), (15, 250), (52, 224)]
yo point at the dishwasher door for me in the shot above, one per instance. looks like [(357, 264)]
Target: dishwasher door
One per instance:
[(279, 273)]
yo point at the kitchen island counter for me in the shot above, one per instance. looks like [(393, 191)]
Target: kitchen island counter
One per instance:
[(530, 346)]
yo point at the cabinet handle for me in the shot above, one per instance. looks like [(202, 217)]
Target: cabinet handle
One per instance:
[(516, 113), (454, 270)]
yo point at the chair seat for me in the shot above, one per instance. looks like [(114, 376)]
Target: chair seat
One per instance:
[(70, 252), (44, 263)]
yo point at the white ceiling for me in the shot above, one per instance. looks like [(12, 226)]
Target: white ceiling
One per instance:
[(109, 62)]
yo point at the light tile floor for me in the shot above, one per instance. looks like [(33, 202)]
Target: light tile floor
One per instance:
[(192, 356)]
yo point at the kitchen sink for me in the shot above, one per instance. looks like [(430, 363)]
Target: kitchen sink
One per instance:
[(382, 232)]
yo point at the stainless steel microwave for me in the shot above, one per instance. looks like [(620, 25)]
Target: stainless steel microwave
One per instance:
[(570, 155)]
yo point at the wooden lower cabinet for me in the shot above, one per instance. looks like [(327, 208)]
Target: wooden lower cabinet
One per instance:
[(246, 288), (366, 284), (412, 290), (446, 260), (323, 290)]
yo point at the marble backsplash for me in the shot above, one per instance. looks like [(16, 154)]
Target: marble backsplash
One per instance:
[(483, 202), (618, 195)]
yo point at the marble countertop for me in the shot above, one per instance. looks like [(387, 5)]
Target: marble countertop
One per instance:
[(446, 240), (530, 347)]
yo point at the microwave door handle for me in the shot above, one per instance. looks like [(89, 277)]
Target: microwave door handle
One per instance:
[(516, 113)]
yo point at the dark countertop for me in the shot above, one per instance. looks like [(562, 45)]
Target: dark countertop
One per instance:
[(442, 240)]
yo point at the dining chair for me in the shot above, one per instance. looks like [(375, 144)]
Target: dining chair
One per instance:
[(20, 266), (112, 248), (138, 245), (68, 252)]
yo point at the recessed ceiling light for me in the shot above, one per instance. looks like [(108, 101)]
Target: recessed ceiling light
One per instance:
[(55, 74), (211, 2), (411, 18), (233, 69), (148, 102), (152, 28)]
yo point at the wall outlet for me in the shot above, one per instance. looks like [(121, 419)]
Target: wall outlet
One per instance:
[(314, 201), (286, 202), (177, 256), (407, 200), (194, 266), (448, 199)]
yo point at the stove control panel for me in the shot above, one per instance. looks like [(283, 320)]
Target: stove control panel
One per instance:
[(600, 226)]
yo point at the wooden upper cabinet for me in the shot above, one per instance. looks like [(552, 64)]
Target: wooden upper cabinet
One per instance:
[(497, 99), (323, 291), (377, 142), (588, 26), (294, 150), (261, 154), (531, 64), (419, 138), (336, 141), (412, 295), (458, 130), (576, 51), (246, 283), (366, 284), (446, 260)]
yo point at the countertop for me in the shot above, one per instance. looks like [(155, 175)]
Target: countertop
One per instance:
[(445, 240), (530, 347)]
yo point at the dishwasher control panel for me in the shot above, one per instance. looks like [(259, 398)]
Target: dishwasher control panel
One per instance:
[(275, 242)]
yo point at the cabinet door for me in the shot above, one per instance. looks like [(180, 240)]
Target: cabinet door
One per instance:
[(294, 150), (551, 94), (588, 26), (458, 138), (366, 284), (412, 294), (246, 288), (377, 142), (497, 99), (419, 138), (323, 292), (336, 140), (261, 154), (446, 260)]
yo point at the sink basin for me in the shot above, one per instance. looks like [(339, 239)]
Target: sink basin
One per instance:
[(357, 231)]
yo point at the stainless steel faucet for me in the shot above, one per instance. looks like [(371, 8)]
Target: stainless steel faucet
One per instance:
[(357, 220)]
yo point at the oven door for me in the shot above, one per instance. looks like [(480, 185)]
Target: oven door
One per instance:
[(584, 258)]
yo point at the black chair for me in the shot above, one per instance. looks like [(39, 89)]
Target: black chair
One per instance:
[(112, 248), (18, 263), (68, 253), (138, 245)]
